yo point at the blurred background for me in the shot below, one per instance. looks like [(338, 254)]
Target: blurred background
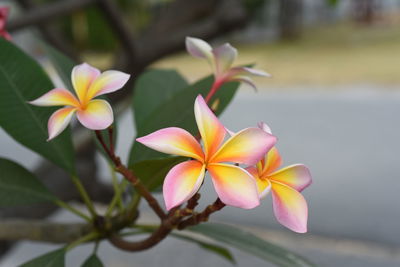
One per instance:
[(333, 101)]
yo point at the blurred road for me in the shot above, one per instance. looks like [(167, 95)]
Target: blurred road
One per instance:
[(350, 141)]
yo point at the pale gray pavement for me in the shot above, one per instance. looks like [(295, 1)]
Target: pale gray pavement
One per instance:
[(350, 141)]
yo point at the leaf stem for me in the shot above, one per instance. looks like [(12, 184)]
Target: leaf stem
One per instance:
[(131, 177), (66, 206), (89, 237), (84, 195), (117, 193)]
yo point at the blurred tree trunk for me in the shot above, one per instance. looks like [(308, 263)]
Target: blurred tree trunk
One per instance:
[(290, 19), (365, 11)]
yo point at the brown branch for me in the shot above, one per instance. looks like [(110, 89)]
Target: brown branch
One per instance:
[(203, 216), (45, 13), (119, 27), (38, 230), (52, 36), (131, 177)]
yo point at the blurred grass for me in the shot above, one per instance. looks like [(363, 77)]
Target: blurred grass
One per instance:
[(342, 54)]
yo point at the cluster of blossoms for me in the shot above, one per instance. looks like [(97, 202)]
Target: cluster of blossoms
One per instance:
[(243, 168), (4, 11)]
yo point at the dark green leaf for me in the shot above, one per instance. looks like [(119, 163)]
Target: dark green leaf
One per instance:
[(249, 243), (152, 89), (52, 259), (92, 261), (22, 80), (220, 251), (20, 187), (178, 112), (332, 2), (153, 172), (61, 63)]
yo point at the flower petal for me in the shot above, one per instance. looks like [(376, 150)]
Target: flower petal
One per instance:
[(97, 115), (56, 97), (247, 71), (182, 182), (235, 186), (271, 162), (263, 185), (263, 126), (82, 77), (198, 48), (247, 146), (109, 81), (224, 57), (296, 176), (243, 79), (211, 130), (59, 120), (174, 141), (290, 207)]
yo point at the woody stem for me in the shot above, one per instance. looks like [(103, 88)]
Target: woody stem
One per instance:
[(131, 177)]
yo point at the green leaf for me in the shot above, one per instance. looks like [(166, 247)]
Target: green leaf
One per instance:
[(152, 172), (61, 63), (219, 250), (178, 112), (92, 261), (22, 80), (20, 187), (332, 3), (247, 242), (152, 89), (52, 259)]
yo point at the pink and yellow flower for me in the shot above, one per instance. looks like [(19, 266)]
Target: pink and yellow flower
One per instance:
[(4, 11), (290, 207), (221, 60), (88, 83), (233, 184)]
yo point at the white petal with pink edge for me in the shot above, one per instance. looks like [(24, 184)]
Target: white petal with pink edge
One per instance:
[(97, 115), (247, 146), (82, 77), (108, 82), (56, 97), (58, 121), (297, 176), (224, 55), (182, 182), (173, 140), (263, 185), (290, 207), (234, 186), (198, 48), (211, 130)]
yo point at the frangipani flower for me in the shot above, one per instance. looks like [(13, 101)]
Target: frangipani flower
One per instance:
[(290, 207), (221, 59), (88, 83), (4, 11), (234, 185)]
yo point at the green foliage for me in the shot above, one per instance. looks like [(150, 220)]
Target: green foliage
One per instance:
[(332, 2), (22, 80), (93, 261), (52, 259), (249, 243), (218, 250), (176, 111), (152, 172), (18, 186), (61, 63), (153, 88)]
